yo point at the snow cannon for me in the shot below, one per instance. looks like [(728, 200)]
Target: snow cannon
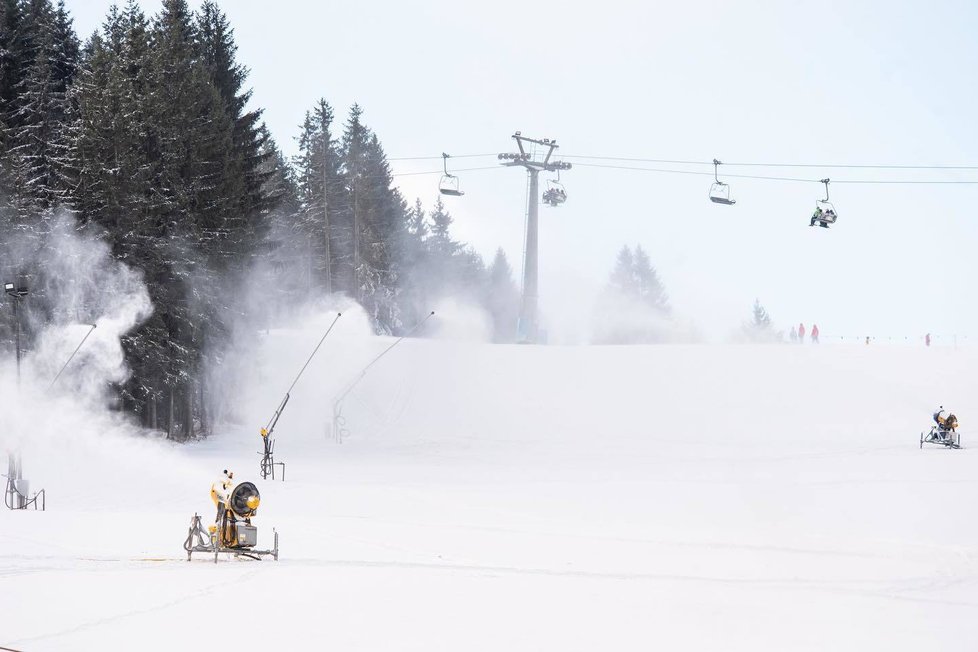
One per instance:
[(232, 532), (944, 432)]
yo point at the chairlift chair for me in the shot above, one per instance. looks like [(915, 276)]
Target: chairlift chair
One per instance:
[(449, 182), (555, 195), (719, 191), (825, 213)]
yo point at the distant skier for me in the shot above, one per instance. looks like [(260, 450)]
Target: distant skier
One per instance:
[(814, 333), (801, 333), (927, 339), (794, 334)]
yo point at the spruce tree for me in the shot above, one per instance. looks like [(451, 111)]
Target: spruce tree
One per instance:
[(623, 277), (321, 220), (35, 133), (634, 308), (760, 328), (503, 298), (648, 287)]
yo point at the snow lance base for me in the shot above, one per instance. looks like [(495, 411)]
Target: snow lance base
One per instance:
[(207, 541), (941, 437)]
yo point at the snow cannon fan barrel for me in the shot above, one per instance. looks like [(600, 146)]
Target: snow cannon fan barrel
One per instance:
[(244, 500)]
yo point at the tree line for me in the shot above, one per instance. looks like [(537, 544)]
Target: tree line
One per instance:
[(146, 134)]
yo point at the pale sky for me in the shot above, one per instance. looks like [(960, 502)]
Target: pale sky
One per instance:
[(877, 83)]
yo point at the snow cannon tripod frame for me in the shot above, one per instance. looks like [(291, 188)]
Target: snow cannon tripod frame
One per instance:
[(946, 437), (16, 494), (207, 541), (14, 498)]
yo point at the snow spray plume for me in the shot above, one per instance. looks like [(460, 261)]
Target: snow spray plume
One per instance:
[(72, 444), (462, 320), (77, 283), (339, 422), (620, 319)]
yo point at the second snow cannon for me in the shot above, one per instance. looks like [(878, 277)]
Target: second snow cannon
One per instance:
[(944, 432)]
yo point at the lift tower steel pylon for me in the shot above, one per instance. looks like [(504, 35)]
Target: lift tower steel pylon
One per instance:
[(528, 329)]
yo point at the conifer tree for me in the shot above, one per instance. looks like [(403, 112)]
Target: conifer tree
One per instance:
[(321, 220), (503, 298), (35, 119), (648, 287), (634, 308), (760, 328)]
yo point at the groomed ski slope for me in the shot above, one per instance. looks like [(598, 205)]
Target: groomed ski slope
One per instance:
[(493, 497)]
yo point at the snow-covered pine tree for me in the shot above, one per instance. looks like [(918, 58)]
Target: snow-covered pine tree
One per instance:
[(243, 175), (649, 288), (376, 213), (634, 308), (35, 120), (321, 220), (760, 328), (623, 277)]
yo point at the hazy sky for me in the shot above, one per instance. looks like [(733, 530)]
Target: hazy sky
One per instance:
[(783, 82)]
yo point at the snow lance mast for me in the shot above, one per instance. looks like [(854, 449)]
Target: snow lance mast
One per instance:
[(232, 532)]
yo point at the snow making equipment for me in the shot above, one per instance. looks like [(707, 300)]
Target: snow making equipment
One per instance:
[(268, 463), (17, 493), (232, 532), (944, 432)]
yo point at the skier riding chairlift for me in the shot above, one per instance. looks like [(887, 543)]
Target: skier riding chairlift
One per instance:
[(824, 217)]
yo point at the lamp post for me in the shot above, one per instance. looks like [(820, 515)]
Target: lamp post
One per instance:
[(15, 494), (16, 293)]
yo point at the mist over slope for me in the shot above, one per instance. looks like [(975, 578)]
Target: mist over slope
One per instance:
[(697, 496)]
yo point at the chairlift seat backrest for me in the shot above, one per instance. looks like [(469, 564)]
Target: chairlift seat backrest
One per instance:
[(449, 186), (720, 194)]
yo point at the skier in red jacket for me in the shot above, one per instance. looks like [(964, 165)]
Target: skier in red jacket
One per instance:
[(814, 333), (801, 333)]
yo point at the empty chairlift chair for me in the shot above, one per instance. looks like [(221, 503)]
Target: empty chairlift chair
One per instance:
[(449, 182), (719, 191)]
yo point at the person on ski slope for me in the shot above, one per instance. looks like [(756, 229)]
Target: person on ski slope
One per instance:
[(814, 333), (801, 333), (794, 334)]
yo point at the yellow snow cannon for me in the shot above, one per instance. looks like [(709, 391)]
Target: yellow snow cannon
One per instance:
[(232, 531)]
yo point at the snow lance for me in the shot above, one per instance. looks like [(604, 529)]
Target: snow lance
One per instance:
[(268, 463), (339, 421), (17, 494), (232, 531)]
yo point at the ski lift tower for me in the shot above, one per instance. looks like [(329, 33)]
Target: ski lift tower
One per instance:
[(529, 326)]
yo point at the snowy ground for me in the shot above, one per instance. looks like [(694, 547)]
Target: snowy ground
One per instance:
[(528, 498)]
